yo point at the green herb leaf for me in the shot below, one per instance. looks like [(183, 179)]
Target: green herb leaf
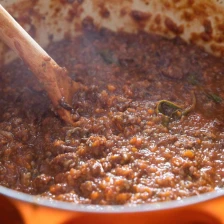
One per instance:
[(108, 56), (214, 97), (192, 79), (171, 111), (167, 108), (165, 121), (191, 107)]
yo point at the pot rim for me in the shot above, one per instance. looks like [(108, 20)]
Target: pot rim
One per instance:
[(69, 206)]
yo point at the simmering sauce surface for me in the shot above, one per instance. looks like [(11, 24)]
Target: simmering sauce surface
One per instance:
[(149, 127)]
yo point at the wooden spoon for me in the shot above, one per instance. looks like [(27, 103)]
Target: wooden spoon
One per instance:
[(59, 86)]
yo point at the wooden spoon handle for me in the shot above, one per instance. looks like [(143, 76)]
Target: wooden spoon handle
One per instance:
[(55, 80), (19, 40)]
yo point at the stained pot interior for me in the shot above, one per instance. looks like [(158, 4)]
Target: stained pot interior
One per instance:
[(200, 22)]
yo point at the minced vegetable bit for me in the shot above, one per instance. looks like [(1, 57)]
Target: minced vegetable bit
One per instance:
[(149, 127)]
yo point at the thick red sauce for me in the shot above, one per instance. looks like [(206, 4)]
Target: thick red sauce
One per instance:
[(129, 144)]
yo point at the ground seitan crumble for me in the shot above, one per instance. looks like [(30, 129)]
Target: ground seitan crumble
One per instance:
[(149, 127)]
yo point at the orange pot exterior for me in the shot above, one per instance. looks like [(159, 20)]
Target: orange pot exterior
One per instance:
[(209, 212)]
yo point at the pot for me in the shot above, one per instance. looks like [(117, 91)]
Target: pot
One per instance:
[(199, 22)]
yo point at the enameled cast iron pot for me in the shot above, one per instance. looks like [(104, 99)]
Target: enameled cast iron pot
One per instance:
[(55, 18)]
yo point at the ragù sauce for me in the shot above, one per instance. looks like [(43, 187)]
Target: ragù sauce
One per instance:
[(149, 127)]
